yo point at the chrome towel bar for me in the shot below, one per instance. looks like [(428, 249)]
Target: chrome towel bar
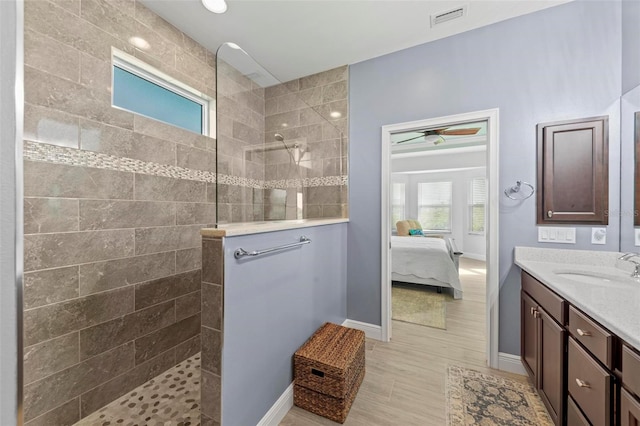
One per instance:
[(240, 253)]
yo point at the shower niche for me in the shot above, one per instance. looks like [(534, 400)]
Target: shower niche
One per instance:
[(281, 146)]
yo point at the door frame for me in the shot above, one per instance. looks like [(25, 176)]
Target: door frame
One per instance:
[(492, 257)]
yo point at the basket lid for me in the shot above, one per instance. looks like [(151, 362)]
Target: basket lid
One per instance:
[(333, 345)]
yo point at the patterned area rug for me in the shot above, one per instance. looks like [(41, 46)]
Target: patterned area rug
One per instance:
[(170, 399), (474, 398), (419, 304)]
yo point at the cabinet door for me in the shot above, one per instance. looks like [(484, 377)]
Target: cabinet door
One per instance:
[(551, 365), (529, 336), (573, 171), (629, 410)]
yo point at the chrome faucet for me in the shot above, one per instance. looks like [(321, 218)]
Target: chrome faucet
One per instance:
[(628, 257)]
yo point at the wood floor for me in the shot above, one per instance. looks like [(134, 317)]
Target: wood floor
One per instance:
[(405, 379)]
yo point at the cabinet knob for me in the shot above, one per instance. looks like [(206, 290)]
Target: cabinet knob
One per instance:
[(583, 332), (550, 213), (532, 310), (582, 383)]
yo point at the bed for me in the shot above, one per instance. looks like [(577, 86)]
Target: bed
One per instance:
[(425, 260)]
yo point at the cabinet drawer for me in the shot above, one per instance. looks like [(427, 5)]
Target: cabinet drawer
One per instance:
[(629, 409), (595, 338), (548, 300), (631, 370), (574, 415), (589, 385)]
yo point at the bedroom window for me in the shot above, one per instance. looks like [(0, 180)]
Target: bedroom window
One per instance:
[(477, 200), (398, 203), (434, 205)]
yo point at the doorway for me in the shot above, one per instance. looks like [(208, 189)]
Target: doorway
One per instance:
[(431, 131)]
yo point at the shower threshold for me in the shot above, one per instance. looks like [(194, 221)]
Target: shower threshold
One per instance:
[(170, 399)]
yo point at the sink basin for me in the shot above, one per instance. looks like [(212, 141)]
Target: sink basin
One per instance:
[(594, 278)]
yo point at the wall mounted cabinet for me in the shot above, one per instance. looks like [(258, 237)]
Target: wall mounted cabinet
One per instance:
[(573, 172)]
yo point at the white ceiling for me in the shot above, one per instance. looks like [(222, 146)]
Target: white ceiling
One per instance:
[(295, 38)]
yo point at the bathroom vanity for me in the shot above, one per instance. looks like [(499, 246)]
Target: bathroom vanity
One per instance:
[(580, 335)]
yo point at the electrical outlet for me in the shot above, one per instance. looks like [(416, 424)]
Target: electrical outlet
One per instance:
[(637, 235), (598, 235)]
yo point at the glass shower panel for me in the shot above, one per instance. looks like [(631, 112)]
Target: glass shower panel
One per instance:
[(281, 150)]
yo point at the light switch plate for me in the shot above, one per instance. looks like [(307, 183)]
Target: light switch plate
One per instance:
[(637, 235), (558, 235), (598, 235)]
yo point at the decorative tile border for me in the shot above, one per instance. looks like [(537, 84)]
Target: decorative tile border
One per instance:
[(35, 151)]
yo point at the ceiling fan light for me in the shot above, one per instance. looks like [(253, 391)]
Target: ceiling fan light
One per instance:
[(215, 6)]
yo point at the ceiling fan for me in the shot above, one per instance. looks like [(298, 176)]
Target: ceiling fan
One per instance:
[(428, 134)]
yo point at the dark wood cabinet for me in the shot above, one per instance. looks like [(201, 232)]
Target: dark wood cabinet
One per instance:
[(542, 350), (629, 409), (573, 172)]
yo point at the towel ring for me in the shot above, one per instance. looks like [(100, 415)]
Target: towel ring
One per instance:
[(509, 192)]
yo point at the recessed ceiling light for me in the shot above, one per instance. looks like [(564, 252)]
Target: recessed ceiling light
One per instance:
[(215, 6), (139, 42), (335, 114), (285, 125)]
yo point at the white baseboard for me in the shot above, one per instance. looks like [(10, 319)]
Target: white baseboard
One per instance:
[(475, 256), (370, 330), (279, 410), (510, 363)]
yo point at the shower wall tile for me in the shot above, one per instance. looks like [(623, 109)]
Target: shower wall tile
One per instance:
[(211, 396), (211, 334), (50, 286), (168, 288), (52, 391), (187, 305), (50, 215), (121, 142), (152, 240), (66, 414), (188, 259), (51, 356), (58, 180), (212, 261), (54, 320), (159, 341), (53, 127), (112, 214), (192, 213), (160, 188), (211, 350), (102, 276), (187, 349), (51, 56), (102, 337), (52, 250), (195, 158), (111, 390), (92, 240)]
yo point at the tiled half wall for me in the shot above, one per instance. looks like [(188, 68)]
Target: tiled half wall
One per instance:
[(114, 203)]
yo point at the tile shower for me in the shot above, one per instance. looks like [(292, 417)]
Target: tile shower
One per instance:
[(114, 202)]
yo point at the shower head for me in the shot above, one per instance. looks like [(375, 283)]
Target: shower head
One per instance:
[(279, 137)]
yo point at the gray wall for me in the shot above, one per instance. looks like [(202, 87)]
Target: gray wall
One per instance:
[(272, 306), (559, 63), (10, 17), (630, 44)]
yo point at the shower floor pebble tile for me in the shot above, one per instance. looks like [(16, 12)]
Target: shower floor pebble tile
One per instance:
[(170, 399)]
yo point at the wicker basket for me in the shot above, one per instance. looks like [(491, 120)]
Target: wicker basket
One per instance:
[(332, 408), (329, 368)]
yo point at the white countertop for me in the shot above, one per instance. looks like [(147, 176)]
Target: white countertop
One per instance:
[(615, 305), (246, 228)]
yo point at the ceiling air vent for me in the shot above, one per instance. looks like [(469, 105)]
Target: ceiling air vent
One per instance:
[(458, 12)]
